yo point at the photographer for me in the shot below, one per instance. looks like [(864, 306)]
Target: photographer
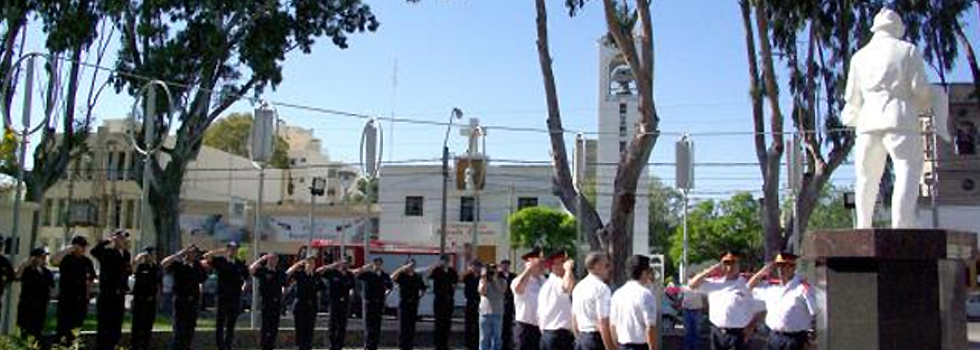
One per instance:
[(491, 288)]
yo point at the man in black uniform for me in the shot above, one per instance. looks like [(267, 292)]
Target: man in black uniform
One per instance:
[(471, 317), (507, 329), (444, 279), (7, 273), (74, 287), (308, 285), (232, 273), (340, 283), (411, 287), (271, 280), (188, 274), (36, 282), (148, 279), (376, 284), (115, 266)]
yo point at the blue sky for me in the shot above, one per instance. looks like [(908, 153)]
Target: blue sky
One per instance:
[(480, 56)]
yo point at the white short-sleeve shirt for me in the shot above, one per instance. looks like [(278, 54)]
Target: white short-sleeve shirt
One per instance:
[(791, 306), (730, 303), (554, 305), (526, 304), (590, 303), (633, 309)]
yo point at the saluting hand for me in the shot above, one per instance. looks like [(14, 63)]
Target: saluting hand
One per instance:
[(569, 265)]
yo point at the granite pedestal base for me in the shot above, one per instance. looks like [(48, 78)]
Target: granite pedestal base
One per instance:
[(890, 289)]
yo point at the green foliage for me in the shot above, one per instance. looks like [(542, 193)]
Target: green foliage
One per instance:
[(8, 342), (715, 227), (8, 153), (232, 133), (830, 213), (542, 226), (358, 197)]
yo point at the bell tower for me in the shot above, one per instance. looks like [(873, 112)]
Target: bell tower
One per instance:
[(618, 115)]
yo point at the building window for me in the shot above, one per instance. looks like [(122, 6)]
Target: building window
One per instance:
[(966, 138), (622, 130), (526, 202), (332, 173), (622, 109), (622, 146), (467, 209), (331, 192), (62, 218), (130, 211), (46, 214), (116, 214), (414, 205)]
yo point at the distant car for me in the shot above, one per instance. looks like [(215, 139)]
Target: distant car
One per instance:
[(973, 307)]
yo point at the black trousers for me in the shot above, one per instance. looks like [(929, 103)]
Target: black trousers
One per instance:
[(507, 328), (71, 314), (304, 314), (144, 313), (471, 325), (561, 339), (110, 309), (526, 336), (407, 316), (270, 323), (643, 346), (787, 341), (443, 309), (339, 314), (589, 341), (29, 320), (728, 339), (373, 310), (229, 307), (185, 321)]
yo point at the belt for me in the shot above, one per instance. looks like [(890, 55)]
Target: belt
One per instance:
[(730, 330), (791, 334)]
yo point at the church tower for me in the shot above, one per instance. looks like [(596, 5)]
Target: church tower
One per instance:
[(618, 115)]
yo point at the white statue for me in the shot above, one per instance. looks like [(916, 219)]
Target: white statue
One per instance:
[(887, 90)]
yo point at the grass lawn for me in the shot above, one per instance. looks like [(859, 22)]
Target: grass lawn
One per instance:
[(162, 322)]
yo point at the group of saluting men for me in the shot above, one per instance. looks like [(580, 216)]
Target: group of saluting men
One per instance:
[(543, 308)]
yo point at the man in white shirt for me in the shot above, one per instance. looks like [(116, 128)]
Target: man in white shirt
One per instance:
[(790, 303), (526, 287), (555, 304), (590, 306), (731, 308), (633, 314)]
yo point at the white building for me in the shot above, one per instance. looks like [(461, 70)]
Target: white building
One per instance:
[(411, 205), (618, 115)]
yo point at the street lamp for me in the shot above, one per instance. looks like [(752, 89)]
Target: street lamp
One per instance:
[(317, 187), (455, 114), (24, 135)]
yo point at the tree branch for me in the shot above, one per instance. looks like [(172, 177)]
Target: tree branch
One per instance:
[(755, 88)]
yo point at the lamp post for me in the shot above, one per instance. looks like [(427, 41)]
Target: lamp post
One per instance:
[(262, 145), (24, 134), (148, 109), (455, 114), (372, 142), (317, 187)]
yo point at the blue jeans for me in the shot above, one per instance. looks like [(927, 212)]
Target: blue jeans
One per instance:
[(490, 328), (692, 331)]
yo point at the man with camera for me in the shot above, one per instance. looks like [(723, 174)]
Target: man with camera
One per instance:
[(411, 287), (115, 267), (188, 274), (271, 281), (491, 289)]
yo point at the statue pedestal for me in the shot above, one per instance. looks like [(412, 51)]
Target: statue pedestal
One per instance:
[(891, 289)]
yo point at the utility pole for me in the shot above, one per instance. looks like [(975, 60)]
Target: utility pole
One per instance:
[(684, 181), (455, 114)]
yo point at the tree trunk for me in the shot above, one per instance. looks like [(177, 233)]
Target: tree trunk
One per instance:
[(971, 60), (573, 200)]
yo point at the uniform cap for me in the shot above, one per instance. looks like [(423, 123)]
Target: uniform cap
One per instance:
[(232, 244), (149, 250), (729, 257), (79, 240), (786, 258), (534, 253), (40, 251)]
